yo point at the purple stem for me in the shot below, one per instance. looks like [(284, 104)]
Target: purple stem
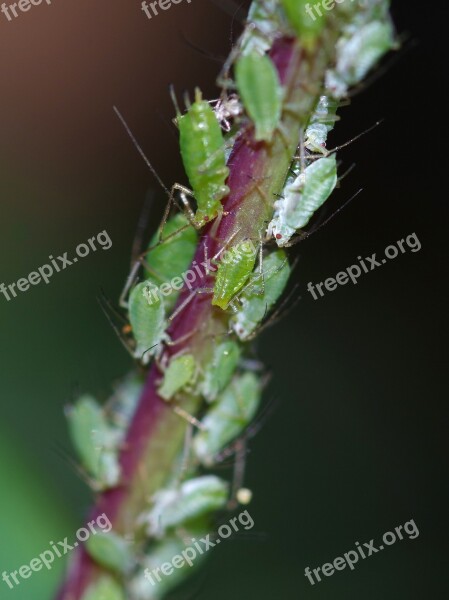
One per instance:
[(247, 164)]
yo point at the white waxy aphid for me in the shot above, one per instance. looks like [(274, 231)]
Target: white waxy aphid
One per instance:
[(357, 55), (123, 402), (190, 500), (302, 198), (228, 417), (261, 29), (226, 109), (321, 123)]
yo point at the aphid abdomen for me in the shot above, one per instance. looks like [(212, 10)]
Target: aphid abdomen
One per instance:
[(218, 373), (96, 441), (259, 86), (254, 307), (307, 25), (233, 272), (147, 318), (193, 499), (179, 373), (203, 155), (228, 418), (320, 179), (357, 55)]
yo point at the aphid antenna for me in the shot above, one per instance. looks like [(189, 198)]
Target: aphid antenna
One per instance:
[(105, 305), (263, 417), (236, 11), (200, 50), (142, 224), (107, 302), (346, 173), (140, 150), (279, 313), (77, 468), (302, 236), (354, 139)]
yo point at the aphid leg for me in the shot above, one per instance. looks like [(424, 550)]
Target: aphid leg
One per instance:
[(188, 417), (183, 193), (239, 471), (277, 315), (303, 235), (186, 454), (345, 174), (189, 299), (131, 280)]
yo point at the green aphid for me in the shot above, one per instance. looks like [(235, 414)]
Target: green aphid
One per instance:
[(234, 270), (111, 551), (255, 304), (228, 417), (171, 256), (219, 371), (147, 316), (147, 584), (192, 499), (96, 442), (307, 22), (203, 156), (178, 375), (261, 92), (105, 588)]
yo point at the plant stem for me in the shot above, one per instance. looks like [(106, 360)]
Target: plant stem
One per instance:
[(257, 173)]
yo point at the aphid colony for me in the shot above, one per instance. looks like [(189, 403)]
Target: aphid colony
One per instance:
[(245, 287)]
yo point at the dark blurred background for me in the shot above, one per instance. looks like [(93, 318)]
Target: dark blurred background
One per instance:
[(357, 445)]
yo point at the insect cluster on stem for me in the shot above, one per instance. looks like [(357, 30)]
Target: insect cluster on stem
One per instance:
[(243, 282)]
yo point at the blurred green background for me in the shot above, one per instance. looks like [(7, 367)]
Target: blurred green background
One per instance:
[(357, 444)]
